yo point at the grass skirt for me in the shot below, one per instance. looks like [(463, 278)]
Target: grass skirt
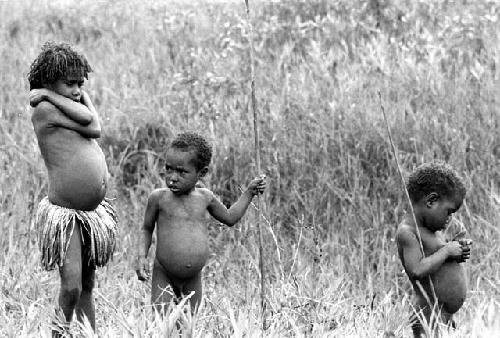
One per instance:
[(55, 227)]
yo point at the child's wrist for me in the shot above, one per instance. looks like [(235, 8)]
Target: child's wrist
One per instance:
[(47, 95), (44, 95), (248, 192), (447, 251)]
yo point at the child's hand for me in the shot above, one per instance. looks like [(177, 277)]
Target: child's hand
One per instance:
[(454, 250), (142, 269), (38, 95), (85, 99), (465, 242), (257, 185), (466, 247)]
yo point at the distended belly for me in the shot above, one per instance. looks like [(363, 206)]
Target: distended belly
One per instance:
[(183, 255), (79, 183), (450, 285)]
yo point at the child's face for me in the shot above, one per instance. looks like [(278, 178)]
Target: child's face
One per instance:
[(70, 87), (181, 173), (439, 212)]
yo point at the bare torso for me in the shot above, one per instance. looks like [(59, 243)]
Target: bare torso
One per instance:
[(77, 170), (182, 233), (450, 283)]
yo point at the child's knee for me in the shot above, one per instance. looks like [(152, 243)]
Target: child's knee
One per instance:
[(70, 296), (88, 283), (196, 294), (417, 326), (447, 319), (194, 288), (161, 293), (417, 329)]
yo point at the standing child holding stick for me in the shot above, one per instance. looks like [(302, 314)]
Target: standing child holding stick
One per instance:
[(179, 213), (438, 279), (76, 226)]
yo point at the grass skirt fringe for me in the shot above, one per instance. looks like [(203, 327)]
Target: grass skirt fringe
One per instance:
[(55, 227)]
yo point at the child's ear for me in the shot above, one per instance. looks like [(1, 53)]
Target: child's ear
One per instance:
[(431, 199), (202, 172)]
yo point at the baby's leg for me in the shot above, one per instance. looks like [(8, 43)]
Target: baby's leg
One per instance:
[(86, 304), (160, 296), (416, 325), (194, 284), (433, 317), (420, 318), (71, 275), (447, 319)]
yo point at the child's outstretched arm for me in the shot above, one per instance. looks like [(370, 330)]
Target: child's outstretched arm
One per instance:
[(146, 235), (417, 266), (232, 215), (80, 112)]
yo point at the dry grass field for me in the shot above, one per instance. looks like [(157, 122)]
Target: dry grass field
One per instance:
[(334, 197)]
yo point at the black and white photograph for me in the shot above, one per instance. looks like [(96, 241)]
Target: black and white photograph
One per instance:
[(250, 168)]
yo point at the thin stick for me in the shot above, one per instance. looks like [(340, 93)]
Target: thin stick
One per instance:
[(257, 163), (395, 154)]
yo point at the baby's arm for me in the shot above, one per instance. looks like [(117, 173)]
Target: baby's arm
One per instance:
[(146, 235), (79, 112), (418, 266), (232, 215)]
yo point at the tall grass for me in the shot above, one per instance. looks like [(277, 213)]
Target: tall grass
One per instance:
[(334, 198)]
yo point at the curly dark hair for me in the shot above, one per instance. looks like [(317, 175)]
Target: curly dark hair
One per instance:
[(57, 61), (435, 177), (194, 142)]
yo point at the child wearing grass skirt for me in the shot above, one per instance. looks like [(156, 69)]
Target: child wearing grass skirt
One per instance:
[(76, 224)]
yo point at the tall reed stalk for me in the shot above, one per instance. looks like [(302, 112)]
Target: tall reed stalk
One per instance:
[(257, 165), (407, 195)]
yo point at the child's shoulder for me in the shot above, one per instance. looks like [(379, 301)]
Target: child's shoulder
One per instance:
[(205, 192), (405, 231), (43, 115), (42, 110), (156, 194)]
